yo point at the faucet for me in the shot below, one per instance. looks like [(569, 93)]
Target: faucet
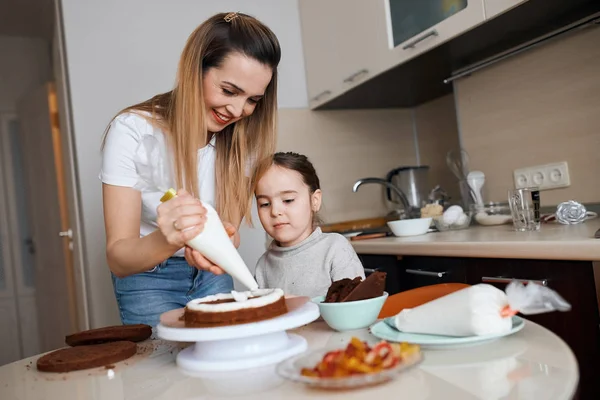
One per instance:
[(403, 199)]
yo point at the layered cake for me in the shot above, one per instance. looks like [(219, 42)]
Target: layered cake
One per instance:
[(235, 308), (356, 289), (84, 357), (133, 333)]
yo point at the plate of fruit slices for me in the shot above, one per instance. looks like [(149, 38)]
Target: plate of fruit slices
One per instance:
[(358, 364)]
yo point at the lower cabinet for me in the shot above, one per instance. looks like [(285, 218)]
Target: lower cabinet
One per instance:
[(573, 280), (387, 264)]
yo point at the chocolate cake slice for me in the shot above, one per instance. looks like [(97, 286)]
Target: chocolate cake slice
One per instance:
[(371, 287), (84, 357), (340, 289), (356, 289), (132, 333)]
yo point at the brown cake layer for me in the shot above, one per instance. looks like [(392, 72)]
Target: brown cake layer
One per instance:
[(132, 333), (201, 319), (356, 289), (84, 357)]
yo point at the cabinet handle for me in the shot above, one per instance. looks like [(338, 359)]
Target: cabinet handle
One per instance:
[(426, 273), (370, 270), (419, 40), (321, 95), (355, 75), (500, 279)]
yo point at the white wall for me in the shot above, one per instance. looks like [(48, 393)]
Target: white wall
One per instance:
[(121, 52), (25, 65)]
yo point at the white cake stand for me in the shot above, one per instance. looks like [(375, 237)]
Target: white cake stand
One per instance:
[(243, 346)]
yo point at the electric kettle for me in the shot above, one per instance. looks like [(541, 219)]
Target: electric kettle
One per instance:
[(413, 181)]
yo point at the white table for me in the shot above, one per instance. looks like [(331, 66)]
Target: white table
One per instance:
[(531, 364)]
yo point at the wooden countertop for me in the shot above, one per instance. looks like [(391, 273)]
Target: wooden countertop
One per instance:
[(553, 242)]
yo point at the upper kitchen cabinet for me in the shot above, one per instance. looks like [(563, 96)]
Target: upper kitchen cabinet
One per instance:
[(402, 53), (345, 43), (495, 7), (417, 26)]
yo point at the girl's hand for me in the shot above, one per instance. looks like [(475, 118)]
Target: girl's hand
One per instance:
[(197, 260), (180, 219)]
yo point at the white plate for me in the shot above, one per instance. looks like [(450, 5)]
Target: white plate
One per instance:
[(383, 331), (292, 367)]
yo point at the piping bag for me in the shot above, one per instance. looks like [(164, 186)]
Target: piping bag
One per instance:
[(214, 243), (478, 310), (154, 169)]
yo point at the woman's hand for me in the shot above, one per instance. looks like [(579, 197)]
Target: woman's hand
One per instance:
[(197, 260), (180, 219)]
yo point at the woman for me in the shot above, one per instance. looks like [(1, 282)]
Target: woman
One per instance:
[(219, 119)]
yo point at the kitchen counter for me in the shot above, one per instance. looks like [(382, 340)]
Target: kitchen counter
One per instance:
[(553, 242), (531, 364)]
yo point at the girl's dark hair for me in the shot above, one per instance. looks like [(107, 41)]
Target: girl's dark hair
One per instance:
[(300, 164)]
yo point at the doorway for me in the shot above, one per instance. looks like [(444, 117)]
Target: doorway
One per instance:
[(42, 285)]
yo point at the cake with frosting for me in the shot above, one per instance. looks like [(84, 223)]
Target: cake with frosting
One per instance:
[(347, 289), (234, 308)]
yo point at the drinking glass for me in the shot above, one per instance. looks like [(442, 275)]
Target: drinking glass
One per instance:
[(524, 206)]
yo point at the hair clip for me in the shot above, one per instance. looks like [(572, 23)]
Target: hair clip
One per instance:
[(231, 16)]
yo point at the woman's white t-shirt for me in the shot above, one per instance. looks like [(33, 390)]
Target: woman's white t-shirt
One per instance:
[(124, 141)]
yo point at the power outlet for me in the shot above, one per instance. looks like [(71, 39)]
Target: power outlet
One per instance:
[(549, 176)]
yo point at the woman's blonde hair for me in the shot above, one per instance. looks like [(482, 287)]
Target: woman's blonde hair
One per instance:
[(181, 114)]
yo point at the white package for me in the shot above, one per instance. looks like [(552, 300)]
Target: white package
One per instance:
[(471, 311), (478, 310)]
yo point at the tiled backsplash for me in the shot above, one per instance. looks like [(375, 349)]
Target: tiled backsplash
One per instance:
[(348, 145), (345, 146), (539, 107), (437, 133)]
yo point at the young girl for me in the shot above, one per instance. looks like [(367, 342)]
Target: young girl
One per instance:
[(301, 260)]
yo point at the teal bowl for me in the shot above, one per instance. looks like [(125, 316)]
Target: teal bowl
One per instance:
[(350, 315)]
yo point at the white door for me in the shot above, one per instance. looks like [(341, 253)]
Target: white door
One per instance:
[(18, 286), (46, 200), (10, 346)]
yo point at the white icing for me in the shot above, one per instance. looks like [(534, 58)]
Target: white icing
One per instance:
[(239, 296), (262, 297)]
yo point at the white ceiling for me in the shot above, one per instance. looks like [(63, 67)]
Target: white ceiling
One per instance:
[(31, 18)]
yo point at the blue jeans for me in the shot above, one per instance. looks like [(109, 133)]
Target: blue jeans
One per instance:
[(143, 297)]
